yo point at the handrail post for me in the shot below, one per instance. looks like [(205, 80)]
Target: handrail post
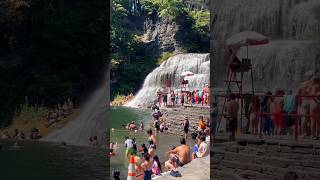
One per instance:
[(260, 133), (296, 119)]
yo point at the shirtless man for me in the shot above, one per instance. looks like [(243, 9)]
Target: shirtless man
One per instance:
[(315, 107), (304, 103), (179, 156), (231, 113)]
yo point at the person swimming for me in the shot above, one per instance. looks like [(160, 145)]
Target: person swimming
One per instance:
[(111, 153), (116, 174), (15, 145), (141, 126), (64, 144)]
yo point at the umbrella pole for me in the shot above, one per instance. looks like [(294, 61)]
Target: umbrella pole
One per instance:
[(247, 51), (250, 70)]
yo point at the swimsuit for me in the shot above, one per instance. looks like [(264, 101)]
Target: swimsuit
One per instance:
[(147, 175), (231, 124), (155, 169), (165, 98), (150, 141), (157, 126), (186, 128), (176, 159)]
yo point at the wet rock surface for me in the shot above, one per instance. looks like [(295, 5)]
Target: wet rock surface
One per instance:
[(176, 116)]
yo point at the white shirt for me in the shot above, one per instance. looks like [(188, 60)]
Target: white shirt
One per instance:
[(203, 150), (129, 143)]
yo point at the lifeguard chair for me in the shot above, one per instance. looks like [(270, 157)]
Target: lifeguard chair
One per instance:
[(235, 76), (183, 84)]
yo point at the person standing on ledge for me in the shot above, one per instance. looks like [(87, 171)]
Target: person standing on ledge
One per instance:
[(231, 114)]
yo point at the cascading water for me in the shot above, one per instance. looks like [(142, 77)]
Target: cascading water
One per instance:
[(281, 64), (92, 121), (171, 70), (292, 26)]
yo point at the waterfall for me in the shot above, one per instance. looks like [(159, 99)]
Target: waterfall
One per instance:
[(283, 22), (92, 121), (171, 69), (281, 64)]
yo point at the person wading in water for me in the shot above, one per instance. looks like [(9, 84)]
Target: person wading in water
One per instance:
[(186, 127)]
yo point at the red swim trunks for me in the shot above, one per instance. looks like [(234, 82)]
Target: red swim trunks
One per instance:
[(278, 119)]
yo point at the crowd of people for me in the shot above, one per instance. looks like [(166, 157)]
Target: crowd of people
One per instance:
[(59, 112), (53, 115), (147, 162), (17, 134), (172, 99), (278, 113)]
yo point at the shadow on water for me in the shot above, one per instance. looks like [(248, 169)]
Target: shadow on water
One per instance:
[(51, 161)]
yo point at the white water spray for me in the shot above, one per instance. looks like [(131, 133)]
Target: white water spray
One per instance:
[(171, 70)]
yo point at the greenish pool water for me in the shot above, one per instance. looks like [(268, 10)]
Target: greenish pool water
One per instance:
[(35, 160), (122, 115)]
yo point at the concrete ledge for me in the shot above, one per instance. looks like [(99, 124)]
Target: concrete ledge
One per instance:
[(198, 169)]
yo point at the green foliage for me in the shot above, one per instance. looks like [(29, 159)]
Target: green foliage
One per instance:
[(131, 62), (28, 113), (201, 19), (132, 59), (164, 57), (170, 8), (119, 97), (57, 48), (195, 39), (150, 7)]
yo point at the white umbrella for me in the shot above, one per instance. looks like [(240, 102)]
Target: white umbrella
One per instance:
[(246, 38), (187, 73)]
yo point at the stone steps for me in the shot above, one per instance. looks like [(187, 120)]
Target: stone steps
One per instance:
[(265, 161), (269, 172), (175, 118)]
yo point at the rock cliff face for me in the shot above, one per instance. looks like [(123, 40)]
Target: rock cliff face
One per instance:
[(297, 20), (164, 30)]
